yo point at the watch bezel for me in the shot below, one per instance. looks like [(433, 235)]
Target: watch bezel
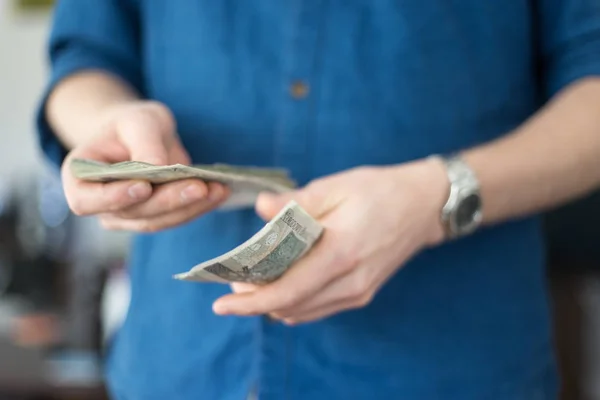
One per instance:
[(459, 228), (463, 184)]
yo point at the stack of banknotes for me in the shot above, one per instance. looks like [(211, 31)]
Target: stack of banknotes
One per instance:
[(261, 259)]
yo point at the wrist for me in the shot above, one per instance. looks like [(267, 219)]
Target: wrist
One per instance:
[(462, 213), (434, 188)]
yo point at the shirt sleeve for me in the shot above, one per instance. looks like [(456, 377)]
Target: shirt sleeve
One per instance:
[(570, 41), (89, 35)]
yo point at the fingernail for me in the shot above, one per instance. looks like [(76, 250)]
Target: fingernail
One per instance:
[(216, 193), (139, 190), (191, 193)]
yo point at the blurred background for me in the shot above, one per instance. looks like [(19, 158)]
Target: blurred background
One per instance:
[(64, 289)]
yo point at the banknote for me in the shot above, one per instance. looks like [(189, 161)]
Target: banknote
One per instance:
[(266, 255), (245, 183)]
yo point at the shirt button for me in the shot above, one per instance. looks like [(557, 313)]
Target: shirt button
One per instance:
[(299, 90)]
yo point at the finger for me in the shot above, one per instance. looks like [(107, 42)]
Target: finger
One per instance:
[(160, 222), (170, 197), (242, 287), (86, 198), (316, 315), (178, 155), (353, 290), (300, 282), (101, 149), (313, 199), (269, 204), (145, 137)]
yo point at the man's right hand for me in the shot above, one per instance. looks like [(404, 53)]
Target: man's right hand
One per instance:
[(141, 131)]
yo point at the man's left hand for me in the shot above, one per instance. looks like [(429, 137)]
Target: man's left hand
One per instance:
[(375, 219)]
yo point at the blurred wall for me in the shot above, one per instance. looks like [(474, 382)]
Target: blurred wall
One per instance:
[(23, 73), (22, 77)]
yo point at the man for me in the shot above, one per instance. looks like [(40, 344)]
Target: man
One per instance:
[(428, 282)]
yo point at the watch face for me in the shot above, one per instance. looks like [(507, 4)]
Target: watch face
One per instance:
[(467, 211)]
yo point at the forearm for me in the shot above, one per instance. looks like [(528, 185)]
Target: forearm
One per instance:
[(78, 104), (552, 158)]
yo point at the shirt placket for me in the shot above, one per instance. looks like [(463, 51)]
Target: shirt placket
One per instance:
[(298, 116), (292, 149)]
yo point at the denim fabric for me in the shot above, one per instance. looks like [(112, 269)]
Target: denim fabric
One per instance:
[(387, 81)]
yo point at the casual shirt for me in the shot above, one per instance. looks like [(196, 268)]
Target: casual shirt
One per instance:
[(319, 87)]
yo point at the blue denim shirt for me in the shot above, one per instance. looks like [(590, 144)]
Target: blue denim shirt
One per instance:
[(387, 81)]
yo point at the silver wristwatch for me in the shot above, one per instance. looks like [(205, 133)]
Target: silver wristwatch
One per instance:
[(462, 213)]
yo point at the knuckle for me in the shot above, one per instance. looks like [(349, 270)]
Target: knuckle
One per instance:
[(346, 260), (315, 195), (282, 314), (119, 201), (308, 195), (279, 315), (364, 300), (160, 112), (289, 299), (161, 203), (159, 108), (115, 196), (134, 212), (166, 200), (173, 198), (116, 201), (199, 210), (359, 286), (129, 214)]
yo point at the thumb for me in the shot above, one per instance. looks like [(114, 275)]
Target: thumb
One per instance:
[(243, 287), (178, 154), (314, 202), (145, 138), (269, 204)]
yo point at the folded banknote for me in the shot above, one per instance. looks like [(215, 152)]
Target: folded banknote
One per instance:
[(245, 183), (265, 256)]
